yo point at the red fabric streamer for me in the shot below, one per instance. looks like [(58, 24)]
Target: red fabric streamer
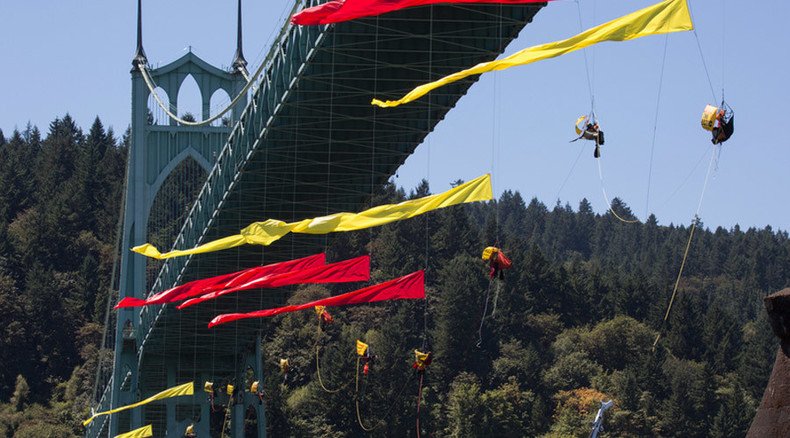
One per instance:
[(200, 287), (337, 11), (409, 287), (356, 269)]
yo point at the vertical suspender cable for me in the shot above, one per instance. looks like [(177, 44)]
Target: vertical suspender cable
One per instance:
[(427, 235), (331, 119)]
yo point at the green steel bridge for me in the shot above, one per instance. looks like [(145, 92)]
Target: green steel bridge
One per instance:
[(303, 141)]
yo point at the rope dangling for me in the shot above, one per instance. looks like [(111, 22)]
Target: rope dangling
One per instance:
[(229, 390), (606, 198), (363, 355), (686, 251), (421, 362), (483, 317), (419, 402), (325, 317), (498, 263)]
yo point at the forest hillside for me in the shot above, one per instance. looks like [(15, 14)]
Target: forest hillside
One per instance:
[(572, 323)]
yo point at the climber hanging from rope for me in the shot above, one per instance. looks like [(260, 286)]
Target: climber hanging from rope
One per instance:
[(363, 351), (208, 388), (497, 262), (324, 317), (421, 361), (213, 391), (720, 121), (587, 128), (256, 388), (365, 357)]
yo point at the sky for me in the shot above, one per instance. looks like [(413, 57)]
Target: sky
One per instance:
[(74, 57)]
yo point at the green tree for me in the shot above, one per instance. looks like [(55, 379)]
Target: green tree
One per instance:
[(21, 393), (465, 409)]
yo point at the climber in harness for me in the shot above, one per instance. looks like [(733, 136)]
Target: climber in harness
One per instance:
[(284, 368), (720, 121), (497, 262), (324, 317), (421, 361), (587, 128), (208, 388), (365, 356), (256, 389)]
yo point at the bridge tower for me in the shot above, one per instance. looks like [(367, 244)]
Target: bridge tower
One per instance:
[(156, 151)]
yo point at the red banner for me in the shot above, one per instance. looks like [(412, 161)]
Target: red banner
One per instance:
[(356, 269), (344, 10), (200, 287), (409, 287)]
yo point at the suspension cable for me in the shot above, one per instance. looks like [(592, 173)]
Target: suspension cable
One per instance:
[(152, 89)]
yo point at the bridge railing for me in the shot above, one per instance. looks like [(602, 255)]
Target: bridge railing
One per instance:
[(293, 47)]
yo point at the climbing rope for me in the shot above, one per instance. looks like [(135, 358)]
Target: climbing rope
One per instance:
[(496, 297), (655, 126), (688, 247), (570, 172), (702, 57), (225, 421), (685, 180), (594, 119), (483, 318), (606, 198), (586, 63), (318, 363), (419, 401), (387, 413), (356, 399)]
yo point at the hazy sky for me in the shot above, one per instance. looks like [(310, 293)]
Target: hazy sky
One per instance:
[(75, 56)]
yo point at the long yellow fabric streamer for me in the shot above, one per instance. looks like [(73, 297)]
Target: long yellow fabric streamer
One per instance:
[(176, 391), (264, 233), (665, 17), (143, 432)]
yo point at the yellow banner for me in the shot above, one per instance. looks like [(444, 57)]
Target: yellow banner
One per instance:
[(267, 232), (143, 432), (665, 17), (176, 391)]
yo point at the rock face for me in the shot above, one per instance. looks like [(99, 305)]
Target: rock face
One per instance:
[(773, 415)]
